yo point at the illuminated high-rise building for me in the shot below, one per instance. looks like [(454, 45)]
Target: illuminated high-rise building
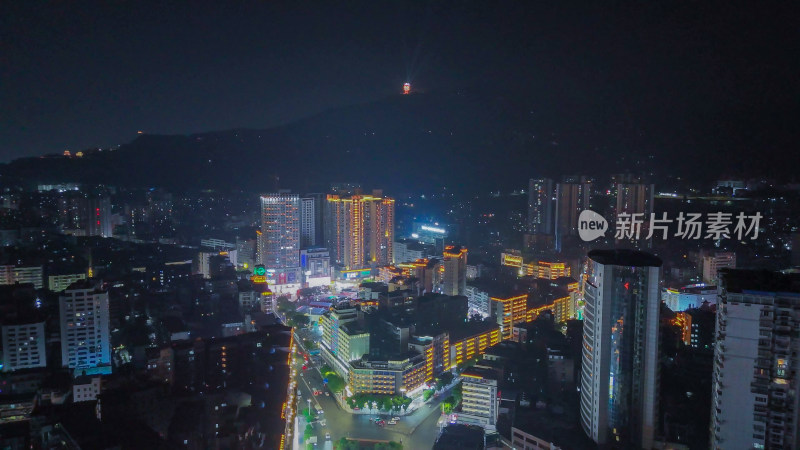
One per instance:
[(98, 217), (619, 376), (540, 206), (308, 229), (360, 230), (345, 231), (636, 200), (379, 217), (320, 201), (571, 199), (280, 231), (455, 270), (85, 339)]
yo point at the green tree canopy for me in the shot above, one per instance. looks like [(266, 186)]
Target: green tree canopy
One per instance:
[(443, 380)]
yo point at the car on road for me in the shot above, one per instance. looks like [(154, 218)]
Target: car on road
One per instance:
[(327, 436), (327, 394), (395, 419), (392, 422)]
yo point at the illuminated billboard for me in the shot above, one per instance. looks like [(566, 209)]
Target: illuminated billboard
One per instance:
[(259, 274), (355, 274)]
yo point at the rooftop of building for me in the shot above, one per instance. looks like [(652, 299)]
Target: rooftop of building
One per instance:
[(352, 328), (414, 245), (375, 286), (23, 316), (562, 430), (368, 361), (742, 281), (313, 310), (86, 285), (499, 288), (471, 328), (504, 349), (460, 437), (693, 288), (344, 306), (496, 365), (625, 257), (480, 372), (79, 422), (174, 324), (564, 281), (83, 379), (455, 250)]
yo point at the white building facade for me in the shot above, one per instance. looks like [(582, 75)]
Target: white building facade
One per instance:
[(23, 346), (85, 341), (754, 404)]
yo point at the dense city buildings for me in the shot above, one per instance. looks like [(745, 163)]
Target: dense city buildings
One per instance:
[(754, 361), (619, 396), (520, 330), (626, 186)]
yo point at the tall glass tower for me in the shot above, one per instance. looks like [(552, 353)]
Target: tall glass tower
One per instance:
[(619, 374)]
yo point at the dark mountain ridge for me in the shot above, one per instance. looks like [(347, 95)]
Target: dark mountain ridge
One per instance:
[(472, 139)]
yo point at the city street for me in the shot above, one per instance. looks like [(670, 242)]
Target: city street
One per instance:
[(417, 430)]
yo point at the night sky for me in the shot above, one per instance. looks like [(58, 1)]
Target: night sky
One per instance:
[(75, 75)]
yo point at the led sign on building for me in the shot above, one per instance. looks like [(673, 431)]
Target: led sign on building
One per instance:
[(259, 274)]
